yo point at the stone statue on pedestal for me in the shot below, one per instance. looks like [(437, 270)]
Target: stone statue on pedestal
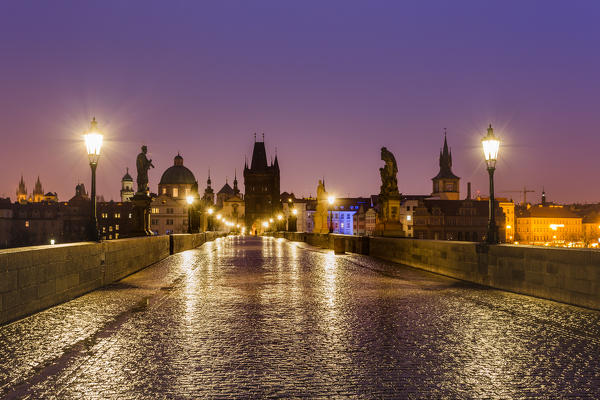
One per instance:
[(141, 200), (389, 182), (321, 212), (143, 165), (388, 218)]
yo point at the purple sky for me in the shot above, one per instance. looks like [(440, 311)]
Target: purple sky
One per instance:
[(328, 83)]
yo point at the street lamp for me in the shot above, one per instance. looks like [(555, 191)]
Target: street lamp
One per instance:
[(491, 145), (331, 200), (210, 222), (93, 144), (190, 201)]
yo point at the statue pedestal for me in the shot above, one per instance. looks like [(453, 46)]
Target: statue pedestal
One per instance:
[(388, 220), (141, 215)]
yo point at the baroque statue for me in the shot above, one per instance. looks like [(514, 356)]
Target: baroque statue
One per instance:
[(143, 165), (320, 216), (389, 181)]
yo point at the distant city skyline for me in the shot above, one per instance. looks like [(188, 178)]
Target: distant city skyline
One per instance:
[(328, 84)]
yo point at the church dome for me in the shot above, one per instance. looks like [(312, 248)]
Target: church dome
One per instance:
[(177, 174)]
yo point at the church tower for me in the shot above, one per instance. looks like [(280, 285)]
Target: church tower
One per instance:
[(261, 182), (22, 192), (127, 187), (445, 183), (38, 191), (209, 193), (236, 191)]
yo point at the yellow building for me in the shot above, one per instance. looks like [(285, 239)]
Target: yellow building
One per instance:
[(549, 225), (591, 231), (508, 207)]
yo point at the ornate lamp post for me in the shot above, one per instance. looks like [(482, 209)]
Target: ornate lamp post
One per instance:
[(491, 145), (331, 200), (93, 144), (210, 213), (190, 202), (294, 220)]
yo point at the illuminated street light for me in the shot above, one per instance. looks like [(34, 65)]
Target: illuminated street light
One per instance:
[(211, 211), (271, 220), (491, 145), (93, 144), (265, 224), (279, 217), (52, 241), (295, 212), (190, 201), (219, 217)]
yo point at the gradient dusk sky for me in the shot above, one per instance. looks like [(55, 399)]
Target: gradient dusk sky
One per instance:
[(328, 82)]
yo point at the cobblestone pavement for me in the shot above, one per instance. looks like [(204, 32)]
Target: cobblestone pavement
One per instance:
[(263, 317)]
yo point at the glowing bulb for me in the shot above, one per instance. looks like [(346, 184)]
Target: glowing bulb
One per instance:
[(190, 199), (93, 142)]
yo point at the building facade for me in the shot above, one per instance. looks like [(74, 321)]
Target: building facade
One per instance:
[(462, 220), (169, 210), (549, 225), (262, 188)]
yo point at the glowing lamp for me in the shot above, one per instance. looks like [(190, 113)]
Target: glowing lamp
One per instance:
[(52, 241), (210, 211), (271, 220), (279, 217), (331, 199), (491, 145), (93, 142), (265, 224), (190, 199), (294, 211), (218, 216)]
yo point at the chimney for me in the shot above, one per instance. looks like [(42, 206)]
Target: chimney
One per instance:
[(468, 190)]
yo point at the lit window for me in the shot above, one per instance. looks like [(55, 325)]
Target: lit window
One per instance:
[(117, 215), (129, 215), (110, 228), (175, 192), (26, 224), (409, 217), (164, 190), (116, 227)]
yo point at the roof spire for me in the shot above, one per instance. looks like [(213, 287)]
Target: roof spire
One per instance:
[(254, 137), (263, 136)]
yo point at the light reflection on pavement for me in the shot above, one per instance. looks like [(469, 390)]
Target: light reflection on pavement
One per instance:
[(262, 317)]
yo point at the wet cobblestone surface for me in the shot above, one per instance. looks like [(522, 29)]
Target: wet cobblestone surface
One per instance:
[(263, 317)]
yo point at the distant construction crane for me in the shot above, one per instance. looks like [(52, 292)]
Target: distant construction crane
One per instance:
[(523, 192)]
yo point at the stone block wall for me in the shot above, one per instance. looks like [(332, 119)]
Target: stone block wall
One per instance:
[(566, 275), (183, 242), (34, 278)]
